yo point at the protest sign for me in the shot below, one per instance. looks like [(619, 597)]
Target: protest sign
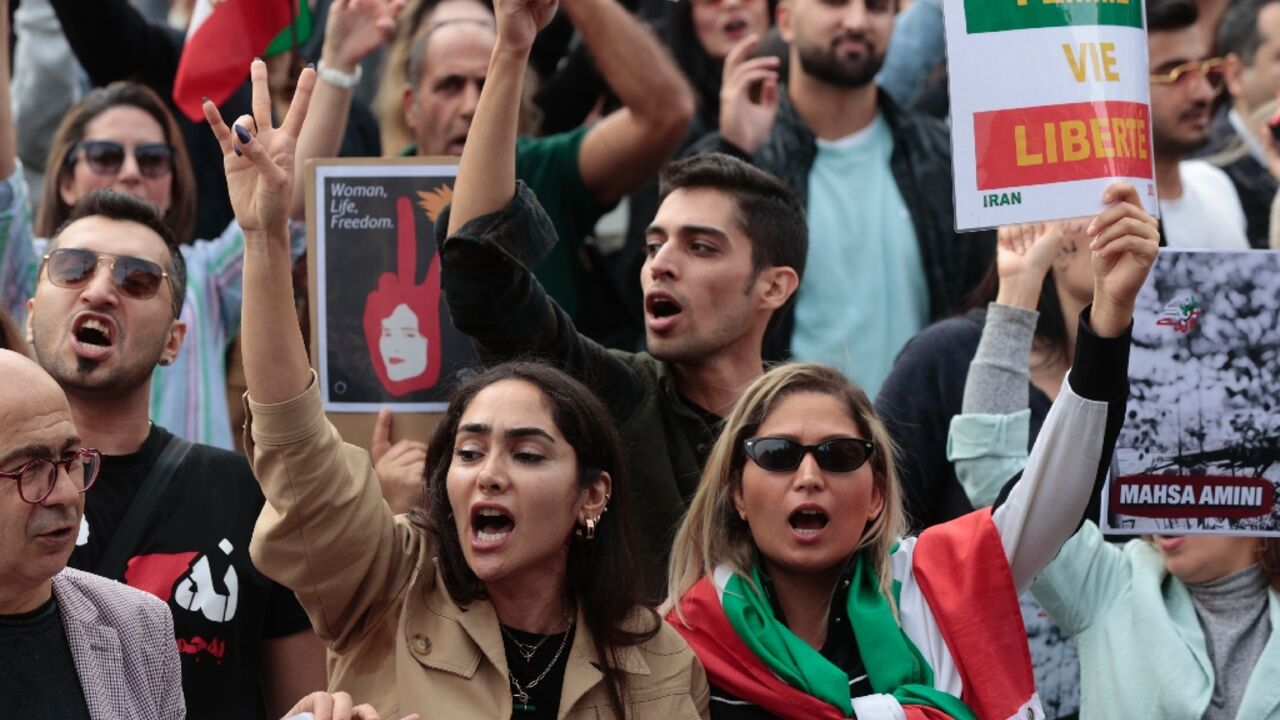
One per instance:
[(1049, 105), (1200, 448), (381, 333)]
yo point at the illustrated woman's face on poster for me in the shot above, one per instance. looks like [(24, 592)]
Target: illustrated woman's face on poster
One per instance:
[(403, 348)]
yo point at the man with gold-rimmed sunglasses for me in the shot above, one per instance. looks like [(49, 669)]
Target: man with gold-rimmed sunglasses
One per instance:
[(167, 516), (1198, 204), (1249, 40), (72, 645)]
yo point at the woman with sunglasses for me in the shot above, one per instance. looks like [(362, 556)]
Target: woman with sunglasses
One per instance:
[(123, 137), (790, 578)]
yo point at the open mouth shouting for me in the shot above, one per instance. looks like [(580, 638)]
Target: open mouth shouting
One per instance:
[(661, 310), (808, 521), (93, 336), (736, 28), (491, 526)]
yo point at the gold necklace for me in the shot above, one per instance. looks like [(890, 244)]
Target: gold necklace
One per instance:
[(527, 650), (520, 693)]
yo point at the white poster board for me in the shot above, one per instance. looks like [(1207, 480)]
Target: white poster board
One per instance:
[(1049, 105), (1200, 448)]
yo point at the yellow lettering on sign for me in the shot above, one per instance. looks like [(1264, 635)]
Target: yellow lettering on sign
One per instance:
[(1075, 144), (1020, 148), (1100, 57)]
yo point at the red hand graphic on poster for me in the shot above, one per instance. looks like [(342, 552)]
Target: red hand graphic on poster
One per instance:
[(402, 319)]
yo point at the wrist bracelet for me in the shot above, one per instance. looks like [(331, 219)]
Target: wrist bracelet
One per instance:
[(337, 78)]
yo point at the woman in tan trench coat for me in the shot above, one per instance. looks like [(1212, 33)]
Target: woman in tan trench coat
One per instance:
[(512, 593)]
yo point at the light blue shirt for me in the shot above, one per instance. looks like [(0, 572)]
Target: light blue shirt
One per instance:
[(864, 292)]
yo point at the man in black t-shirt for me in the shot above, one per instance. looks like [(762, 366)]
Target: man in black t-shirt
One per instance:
[(105, 312)]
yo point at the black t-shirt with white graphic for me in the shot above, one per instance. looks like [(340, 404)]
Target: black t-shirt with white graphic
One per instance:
[(195, 556)]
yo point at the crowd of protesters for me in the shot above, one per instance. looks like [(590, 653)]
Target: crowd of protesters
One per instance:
[(753, 431)]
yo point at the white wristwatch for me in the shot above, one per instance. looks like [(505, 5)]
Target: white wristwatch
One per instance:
[(337, 78)]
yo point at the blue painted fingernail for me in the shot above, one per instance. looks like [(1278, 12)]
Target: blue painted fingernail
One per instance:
[(237, 149), (242, 134)]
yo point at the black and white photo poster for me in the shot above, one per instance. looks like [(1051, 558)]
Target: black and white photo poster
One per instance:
[(1200, 447)]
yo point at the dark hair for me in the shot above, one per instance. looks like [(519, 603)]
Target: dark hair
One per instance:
[(1051, 326), (1171, 14), (603, 575), (181, 215), (769, 214), (704, 72), (10, 338), (1239, 32), (115, 205), (1269, 560)]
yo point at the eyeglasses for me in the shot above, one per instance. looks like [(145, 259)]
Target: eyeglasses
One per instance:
[(105, 157), (73, 268), (1212, 70), (778, 454), (37, 478)]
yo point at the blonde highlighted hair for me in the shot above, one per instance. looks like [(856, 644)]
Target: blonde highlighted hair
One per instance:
[(713, 534)]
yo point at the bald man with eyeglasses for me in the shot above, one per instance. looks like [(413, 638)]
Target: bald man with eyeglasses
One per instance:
[(72, 645)]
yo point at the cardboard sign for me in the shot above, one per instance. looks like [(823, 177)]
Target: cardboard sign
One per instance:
[(381, 333), (1049, 105), (1200, 448)]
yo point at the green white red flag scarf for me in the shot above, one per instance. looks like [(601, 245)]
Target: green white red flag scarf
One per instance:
[(963, 573)]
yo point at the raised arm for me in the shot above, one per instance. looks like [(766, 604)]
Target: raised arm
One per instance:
[(324, 506), (487, 172), (259, 179), (1073, 451), (626, 149), (113, 41), (496, 236), (354, 29), (987, 443)]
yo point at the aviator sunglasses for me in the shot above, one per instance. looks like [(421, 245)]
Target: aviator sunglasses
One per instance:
[(105, 157), (73, 268), (779, 454)]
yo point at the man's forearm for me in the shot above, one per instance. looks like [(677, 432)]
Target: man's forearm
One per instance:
[(636, 66), (487, 172), (321, 135)]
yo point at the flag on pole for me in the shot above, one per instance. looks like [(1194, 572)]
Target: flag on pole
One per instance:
[(223, 38)]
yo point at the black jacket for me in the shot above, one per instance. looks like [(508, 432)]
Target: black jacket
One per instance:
[(954, 263)]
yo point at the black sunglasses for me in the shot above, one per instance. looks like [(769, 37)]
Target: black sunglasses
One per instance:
[(135, 277), (779, 454), (105, 157)]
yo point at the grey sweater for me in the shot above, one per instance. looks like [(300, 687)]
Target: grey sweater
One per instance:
[(1233, 614)]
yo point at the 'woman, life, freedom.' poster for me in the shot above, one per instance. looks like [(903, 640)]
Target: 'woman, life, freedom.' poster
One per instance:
[(1049, 105), (382, 333)]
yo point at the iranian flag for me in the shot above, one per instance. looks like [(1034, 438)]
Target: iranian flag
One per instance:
[(223, 38)]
